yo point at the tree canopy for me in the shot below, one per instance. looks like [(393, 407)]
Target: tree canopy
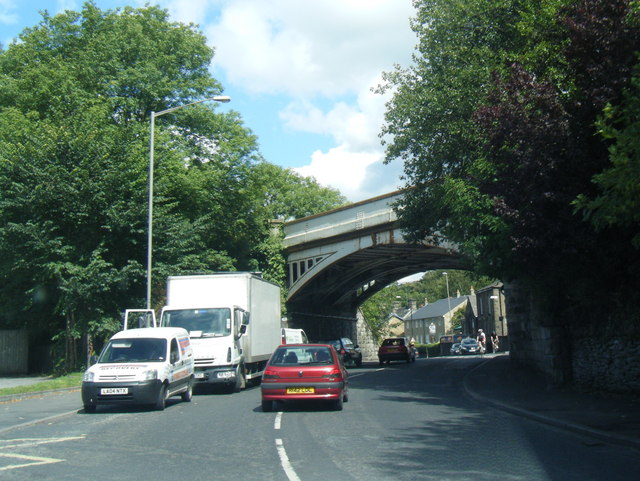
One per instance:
[(77, 93), (516, 124)]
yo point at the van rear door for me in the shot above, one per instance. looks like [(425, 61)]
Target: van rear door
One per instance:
[(136, 318)]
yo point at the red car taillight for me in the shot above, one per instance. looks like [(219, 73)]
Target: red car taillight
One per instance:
[(270, 375), (336, 374)]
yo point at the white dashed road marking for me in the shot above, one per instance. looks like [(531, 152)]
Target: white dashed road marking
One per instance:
[(284, 461)]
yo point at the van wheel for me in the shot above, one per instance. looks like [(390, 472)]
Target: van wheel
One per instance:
[(162, 398), (188, 394)]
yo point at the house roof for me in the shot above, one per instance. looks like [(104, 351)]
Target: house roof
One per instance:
[(439, 308)]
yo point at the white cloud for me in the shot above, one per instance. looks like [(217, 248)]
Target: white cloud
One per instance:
[(355, 166), (322, 57), (306, 48)]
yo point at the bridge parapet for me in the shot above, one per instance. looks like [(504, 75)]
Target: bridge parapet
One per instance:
[(360, 216)]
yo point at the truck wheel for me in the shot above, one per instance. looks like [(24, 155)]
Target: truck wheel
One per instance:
[(162, 398), (241, 382)]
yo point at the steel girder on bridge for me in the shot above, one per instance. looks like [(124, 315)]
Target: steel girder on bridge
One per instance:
[(338, 259)]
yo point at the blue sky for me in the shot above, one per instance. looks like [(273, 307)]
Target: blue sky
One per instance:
[(299, 72)]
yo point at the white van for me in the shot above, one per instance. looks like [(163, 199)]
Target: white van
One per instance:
[(141, 366), (294, 336)]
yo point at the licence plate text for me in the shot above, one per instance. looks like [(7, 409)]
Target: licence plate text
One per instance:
[(106, 391), (300, 390)]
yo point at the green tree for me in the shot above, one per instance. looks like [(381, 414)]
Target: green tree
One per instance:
[(495, 124), (78, 89), (74, 120)]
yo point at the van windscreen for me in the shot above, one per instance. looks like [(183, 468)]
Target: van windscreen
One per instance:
[(134, 350)]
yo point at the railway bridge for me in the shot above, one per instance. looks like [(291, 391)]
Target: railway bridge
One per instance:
[(338, 259)]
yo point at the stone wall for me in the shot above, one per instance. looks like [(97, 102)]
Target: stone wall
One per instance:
[(610, 365), (535, 340), (564, 356), (366, 341)]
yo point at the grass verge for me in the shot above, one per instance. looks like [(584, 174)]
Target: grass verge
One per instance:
[(68, 381)]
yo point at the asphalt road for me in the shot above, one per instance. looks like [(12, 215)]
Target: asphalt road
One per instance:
[(402, 422)]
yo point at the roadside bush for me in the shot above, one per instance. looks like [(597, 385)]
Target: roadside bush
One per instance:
[(428, 350)]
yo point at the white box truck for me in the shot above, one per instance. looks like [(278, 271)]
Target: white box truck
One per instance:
[(233, 320)]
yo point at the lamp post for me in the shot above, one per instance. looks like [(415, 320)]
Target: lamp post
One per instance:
[(217, 98), (446, 276)]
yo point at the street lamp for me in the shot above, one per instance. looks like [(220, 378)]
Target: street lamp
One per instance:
[(446, 276), (217, 98)]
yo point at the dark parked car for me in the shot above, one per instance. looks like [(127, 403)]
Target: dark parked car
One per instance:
[(303, 372), (350, 353), (470, 346), (396, 349), (455, 349)]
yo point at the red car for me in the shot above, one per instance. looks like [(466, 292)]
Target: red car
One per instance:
[(299, 372), (396, 349)]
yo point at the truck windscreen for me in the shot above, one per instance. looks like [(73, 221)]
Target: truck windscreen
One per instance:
[(199, 322)]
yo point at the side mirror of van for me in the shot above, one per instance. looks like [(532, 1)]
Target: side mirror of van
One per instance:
[(175, 357)]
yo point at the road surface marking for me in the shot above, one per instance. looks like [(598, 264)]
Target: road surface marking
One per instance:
[(284, 461), (278, 421), (33, 460)]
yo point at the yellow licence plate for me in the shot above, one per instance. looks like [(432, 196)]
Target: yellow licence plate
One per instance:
[(300, 390)]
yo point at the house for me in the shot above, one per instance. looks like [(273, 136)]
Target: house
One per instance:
[(428, 323), (394, 326), (486, 310)]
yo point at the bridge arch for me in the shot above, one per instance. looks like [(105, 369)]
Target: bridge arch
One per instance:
[(338, 259)]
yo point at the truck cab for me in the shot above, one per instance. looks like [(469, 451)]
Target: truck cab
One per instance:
[(216, 339)]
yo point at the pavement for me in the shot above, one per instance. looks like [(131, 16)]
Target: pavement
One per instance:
[(606, 417), (496, 382)]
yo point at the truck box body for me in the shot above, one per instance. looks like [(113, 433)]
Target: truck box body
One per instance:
[(222, 346)]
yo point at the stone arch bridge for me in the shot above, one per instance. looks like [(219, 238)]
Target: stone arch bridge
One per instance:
[(338, 259)]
